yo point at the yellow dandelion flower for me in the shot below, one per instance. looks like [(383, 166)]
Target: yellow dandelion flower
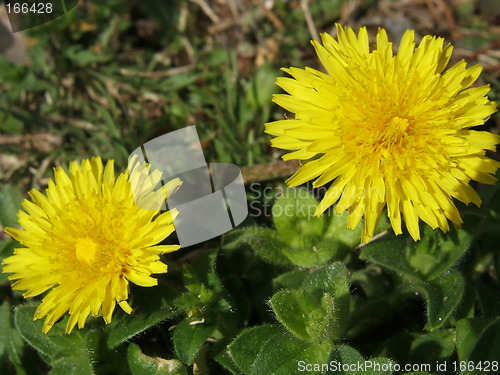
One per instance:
[(387, 130), (86, 239)]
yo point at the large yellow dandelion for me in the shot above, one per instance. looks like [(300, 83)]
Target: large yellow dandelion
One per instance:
[(87, 238), (387, 129)]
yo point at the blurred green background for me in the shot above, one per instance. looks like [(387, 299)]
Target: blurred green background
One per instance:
[(109, 76)]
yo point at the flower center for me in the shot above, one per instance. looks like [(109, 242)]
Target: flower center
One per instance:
[(395, 130), (399, 123), (86, 250)]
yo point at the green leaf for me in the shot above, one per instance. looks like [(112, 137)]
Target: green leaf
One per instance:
[(282, 355), (84, 57), (487, 294), (225, 359), (141, 364), (487, 347), (397, 346), (189, 338), (264, 241), (237, 296), (432, 347), (10, 124), (262, 88), (205, 298), (10, 204), (151, 306), (293, 216), (292, 279), (247, 345), (320, 309), (314, 253), (442, 295), (426, 260), (334, 280), (370, 281), (4, 327), (299, 240), (68, 354), (344, 355), (336, 228), (109, 120), (202, 270), (468, 333), (75, 364), (15, 348), (345, 360), (301, 313), (47, 344)]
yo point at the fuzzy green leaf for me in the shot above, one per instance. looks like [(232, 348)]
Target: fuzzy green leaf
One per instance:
[(47, 344), (68, 354), (468, 333), (334, 280), (266, 243), (292, 279), (247, 345), (426, 260), (344, 355), (4, 327), (313, 252), (282, 354), (11, 344), (141, 364), (442, 295), (300, 239), (345, 360), (14, 344), (487, 347), (151, 306), (225, 360), (302, 314), (432, 347), (202, 270), (293, 216), (189, 338), (336, 228), (72, 365)]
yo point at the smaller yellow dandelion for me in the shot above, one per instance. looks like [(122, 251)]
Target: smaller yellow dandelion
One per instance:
[(387, 130), (87, 238)]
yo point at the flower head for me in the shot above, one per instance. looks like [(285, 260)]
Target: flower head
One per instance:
[(387, 129), (87, 238)]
